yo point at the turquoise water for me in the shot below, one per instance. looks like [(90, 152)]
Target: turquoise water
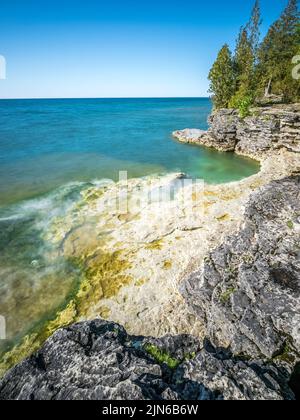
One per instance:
[(51, 150), (47, 143)]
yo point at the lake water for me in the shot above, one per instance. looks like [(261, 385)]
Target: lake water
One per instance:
[(47, 143), (50, 150)]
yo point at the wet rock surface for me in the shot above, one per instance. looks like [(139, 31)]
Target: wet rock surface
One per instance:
[(97, 360), (247, 291)]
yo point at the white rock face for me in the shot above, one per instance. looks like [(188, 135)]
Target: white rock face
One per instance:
[(189, 135)]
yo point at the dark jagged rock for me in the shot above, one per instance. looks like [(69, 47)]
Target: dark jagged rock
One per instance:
[(97, 360), (221, 134), (223, 128), (247, 292)]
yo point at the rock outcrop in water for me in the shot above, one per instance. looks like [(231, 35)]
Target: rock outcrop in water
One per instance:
[(267, 129), (97, 360), (247, 296)]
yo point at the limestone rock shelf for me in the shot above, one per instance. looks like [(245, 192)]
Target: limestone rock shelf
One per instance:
[(266, 129)]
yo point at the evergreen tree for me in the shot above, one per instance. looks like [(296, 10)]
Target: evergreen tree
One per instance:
[(259, 69), (253, 27), (276, 52), (244, 61), (222, 80)]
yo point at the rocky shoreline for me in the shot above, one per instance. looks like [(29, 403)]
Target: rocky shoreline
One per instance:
[(98, 360), (236, 288), (247, 291), (266, 130)]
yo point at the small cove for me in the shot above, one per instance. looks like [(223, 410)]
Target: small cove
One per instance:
[(51, 151)]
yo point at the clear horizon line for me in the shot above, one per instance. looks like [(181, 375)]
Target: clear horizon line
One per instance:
[(105, 97)]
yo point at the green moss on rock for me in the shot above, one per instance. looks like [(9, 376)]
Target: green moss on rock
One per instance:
[(161, 356), (101, 277), (224, 298)]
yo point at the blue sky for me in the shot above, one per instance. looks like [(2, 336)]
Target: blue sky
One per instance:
[(117, 48)]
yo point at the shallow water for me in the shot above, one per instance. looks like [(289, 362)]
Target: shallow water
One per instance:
[(51, 151), (47, 143)]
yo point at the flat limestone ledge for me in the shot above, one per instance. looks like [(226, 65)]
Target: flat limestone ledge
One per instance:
[(189, 135), (202, 138)]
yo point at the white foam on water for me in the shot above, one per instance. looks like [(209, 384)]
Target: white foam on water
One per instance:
[(7, 219), (100, 183)]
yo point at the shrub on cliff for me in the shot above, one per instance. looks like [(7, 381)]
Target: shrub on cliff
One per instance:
[(243, 104)]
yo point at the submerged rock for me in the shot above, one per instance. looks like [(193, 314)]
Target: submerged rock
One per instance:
[(247, 292), (97, 360)]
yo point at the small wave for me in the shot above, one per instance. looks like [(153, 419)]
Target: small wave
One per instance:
[(100, 183), (9, 218), (38, 212), (49, 200), (60, 200)]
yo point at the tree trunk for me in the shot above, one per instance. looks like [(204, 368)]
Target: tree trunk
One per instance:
[(268, 88)]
